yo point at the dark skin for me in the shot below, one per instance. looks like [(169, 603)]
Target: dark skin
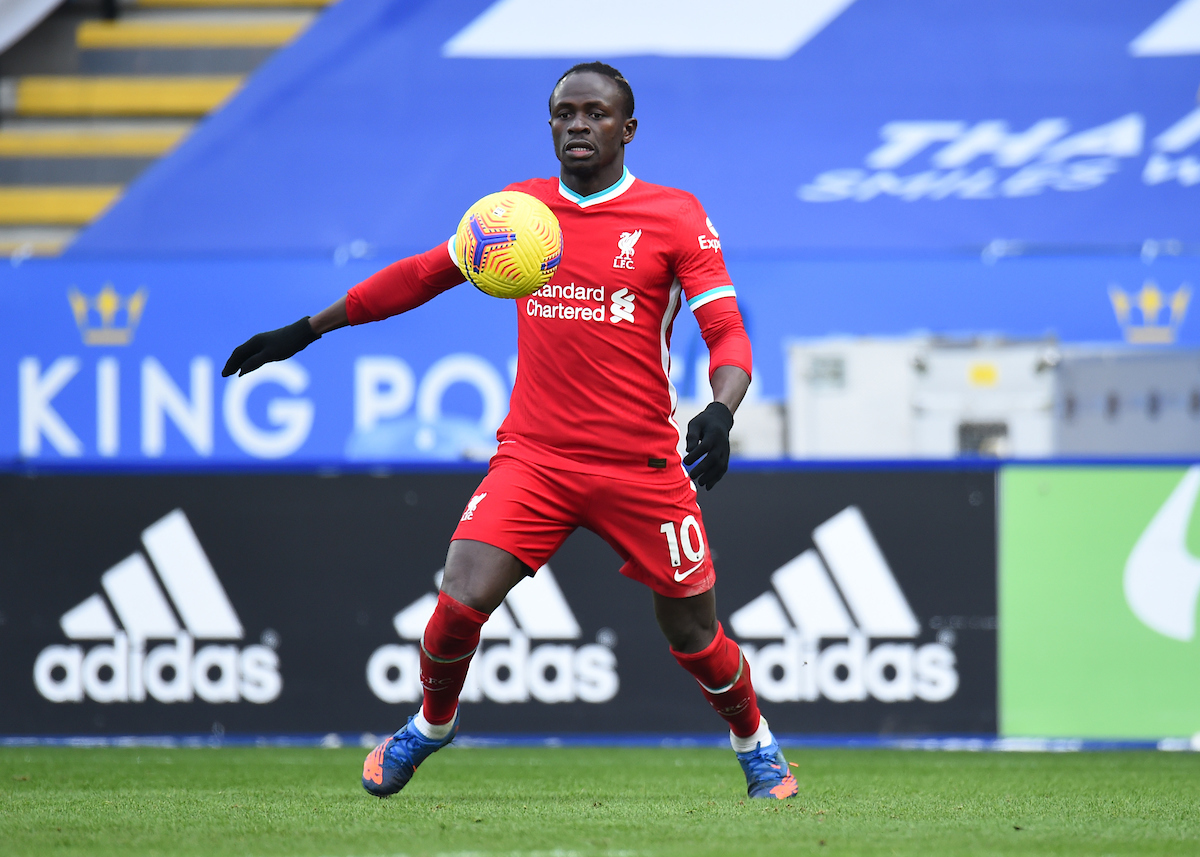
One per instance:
[(590, 128)]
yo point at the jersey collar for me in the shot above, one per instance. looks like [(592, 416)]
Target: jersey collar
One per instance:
[(603, 196)]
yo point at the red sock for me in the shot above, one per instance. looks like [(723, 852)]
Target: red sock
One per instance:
[(451, 637), (724, 678)]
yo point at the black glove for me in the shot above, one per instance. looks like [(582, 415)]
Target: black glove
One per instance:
[(708, 436), (270, 346)]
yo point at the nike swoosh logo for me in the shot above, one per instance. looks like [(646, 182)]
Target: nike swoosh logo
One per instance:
[(1162, 579), (681, 576)]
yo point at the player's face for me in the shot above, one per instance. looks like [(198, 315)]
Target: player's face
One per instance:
[(590, 128)]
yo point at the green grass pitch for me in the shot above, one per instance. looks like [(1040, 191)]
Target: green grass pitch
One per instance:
[(473, 802)]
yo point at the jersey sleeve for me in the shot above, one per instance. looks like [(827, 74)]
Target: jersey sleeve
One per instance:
[(403, 285), (700, 267)]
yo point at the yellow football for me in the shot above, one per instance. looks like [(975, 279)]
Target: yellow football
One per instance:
[(509, 244)]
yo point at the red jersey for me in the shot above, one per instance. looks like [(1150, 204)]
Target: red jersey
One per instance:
[(592, 389)]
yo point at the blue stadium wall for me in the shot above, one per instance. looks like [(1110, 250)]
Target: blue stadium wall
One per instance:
[(1004, 168)]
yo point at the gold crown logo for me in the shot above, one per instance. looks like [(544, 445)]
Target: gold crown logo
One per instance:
[(1146, 326), (97, 318)]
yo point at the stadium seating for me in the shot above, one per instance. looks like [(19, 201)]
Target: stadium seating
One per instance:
[(89, 103)]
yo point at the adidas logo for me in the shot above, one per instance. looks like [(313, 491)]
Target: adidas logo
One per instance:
[(193, 607), (843, 590), (506, 668)]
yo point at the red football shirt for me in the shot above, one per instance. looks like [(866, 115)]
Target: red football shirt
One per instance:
[(593, 347)]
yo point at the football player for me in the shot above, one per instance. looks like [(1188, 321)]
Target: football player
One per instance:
[(590, 439)]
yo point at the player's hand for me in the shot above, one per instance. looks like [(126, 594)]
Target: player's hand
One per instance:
[(273, 345), (708, 438)]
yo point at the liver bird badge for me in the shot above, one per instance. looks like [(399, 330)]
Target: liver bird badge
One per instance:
[(626, 241)]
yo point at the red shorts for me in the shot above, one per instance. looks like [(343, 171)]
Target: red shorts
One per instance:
[(656, 527)]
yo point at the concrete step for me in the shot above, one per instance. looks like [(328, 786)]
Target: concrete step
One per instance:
[(171, 61), (147, 95), (60, 205), (70, 171), (51, 47), (25, 138), (22, 242)]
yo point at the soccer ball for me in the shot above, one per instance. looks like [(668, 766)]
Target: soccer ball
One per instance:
[(508, 244)]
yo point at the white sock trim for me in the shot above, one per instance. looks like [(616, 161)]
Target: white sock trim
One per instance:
[(432, 731), (762, 735)]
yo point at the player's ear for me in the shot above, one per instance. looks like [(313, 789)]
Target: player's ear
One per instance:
[(629, 130)]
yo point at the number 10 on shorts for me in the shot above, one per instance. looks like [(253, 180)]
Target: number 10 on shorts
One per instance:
[(689, 535)]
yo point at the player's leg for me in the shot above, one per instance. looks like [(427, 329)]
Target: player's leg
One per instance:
[(477, 579), (700, 646), (659, 530), (517, 518), (698, 643)]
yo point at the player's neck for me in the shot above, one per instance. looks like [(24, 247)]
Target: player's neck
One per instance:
[(586, 184)]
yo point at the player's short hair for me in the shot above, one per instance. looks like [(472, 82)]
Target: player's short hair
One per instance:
[(606, 70)]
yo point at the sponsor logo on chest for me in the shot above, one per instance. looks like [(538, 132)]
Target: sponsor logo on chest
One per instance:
[(549, 302)]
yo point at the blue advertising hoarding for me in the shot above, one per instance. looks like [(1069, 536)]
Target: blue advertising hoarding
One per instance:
[(119, 362)]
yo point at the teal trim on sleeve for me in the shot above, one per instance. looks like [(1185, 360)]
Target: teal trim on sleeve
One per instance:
[(711, 295)]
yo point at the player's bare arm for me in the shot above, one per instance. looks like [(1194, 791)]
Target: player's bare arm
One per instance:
[(729, 386), (330, 318)]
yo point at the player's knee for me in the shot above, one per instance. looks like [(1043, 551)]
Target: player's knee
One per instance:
[(690, 640), (688, 632), (480, 575), (689, 624)]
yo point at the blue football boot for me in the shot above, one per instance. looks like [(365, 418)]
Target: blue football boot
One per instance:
[(767, 774), (391, 765)]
